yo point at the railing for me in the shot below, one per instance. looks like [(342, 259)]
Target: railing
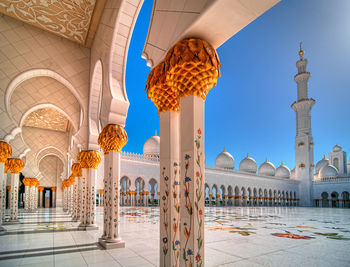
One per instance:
[(139, 157), (336, 179)]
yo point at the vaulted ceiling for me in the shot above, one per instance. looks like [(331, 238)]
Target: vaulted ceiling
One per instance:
[(47, 118), (75, 20)]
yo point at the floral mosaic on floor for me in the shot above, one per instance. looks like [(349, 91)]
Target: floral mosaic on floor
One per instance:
[(234, 236)]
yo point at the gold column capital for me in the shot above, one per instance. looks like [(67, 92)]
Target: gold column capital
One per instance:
[(193, 67), (112, 138), (26, 181), (5, 151), (162, 95), (76, 170), (89, 159), (14, 165)]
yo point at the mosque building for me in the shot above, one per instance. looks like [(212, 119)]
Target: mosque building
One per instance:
[(228, 184)]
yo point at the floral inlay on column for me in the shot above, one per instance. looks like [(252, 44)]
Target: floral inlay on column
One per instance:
[(112, 139)]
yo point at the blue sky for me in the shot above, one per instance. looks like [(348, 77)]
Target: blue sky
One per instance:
[(249, 109)]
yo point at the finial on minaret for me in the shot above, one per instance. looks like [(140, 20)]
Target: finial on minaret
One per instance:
[(301, 51), (224, 149), (247, 155), (155, 133)]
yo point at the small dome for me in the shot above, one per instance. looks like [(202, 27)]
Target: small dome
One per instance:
[(267, 169), (292, 174), (328, 171), (283, 172), (248, 164), (152, 146), (321, 163), (337, 148), (225, 161)]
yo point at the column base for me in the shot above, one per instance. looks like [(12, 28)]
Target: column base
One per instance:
[(87, 227), (11, 222), (111, 243), (2, 230)]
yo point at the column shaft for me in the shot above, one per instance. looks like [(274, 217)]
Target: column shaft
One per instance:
[(14, 196), (192, 181), (91, 197), (169, 188), (83, 198), (111, 236), (2, 192)]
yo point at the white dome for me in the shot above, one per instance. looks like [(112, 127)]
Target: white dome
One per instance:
[(337, 148), (225, 161), (152, 146), (283, 172), (248, 164), (292, 174), (320, 164), (328, 171), (267, 169)]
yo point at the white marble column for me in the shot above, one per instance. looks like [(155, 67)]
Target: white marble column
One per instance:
[(89, 161), (14, 197), (169, 188), (91, 201), (41, 196), (106, 196), (75, 199), (112, 139), (31, 196), (145, 200), (111, 237), (27, 197), (64, 199), (53, 189), (2, 195), (36, 196), (192, 180), (82, 197), (5, 153)]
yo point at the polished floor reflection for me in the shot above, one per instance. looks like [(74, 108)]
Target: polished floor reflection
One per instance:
[(234, 237)]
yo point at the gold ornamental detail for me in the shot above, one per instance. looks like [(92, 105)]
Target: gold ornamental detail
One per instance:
[(76, 170), (14, 165), (26, 181), (70, 180), (5, 151), (193, 67), (112, 138), (161, 94), (89, 159)]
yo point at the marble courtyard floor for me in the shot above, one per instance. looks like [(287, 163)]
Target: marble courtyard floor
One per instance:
[(235, 236)]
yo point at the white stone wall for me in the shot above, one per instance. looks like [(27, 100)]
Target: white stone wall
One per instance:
[(338, 185)]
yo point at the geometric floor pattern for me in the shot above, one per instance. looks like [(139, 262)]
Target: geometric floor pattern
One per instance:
[(234, 236)]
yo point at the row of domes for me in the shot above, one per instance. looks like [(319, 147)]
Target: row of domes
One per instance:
[(225, 161), (325, 170)]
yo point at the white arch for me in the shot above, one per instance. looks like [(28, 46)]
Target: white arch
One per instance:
[(95, 97), (40, 73), (39, 156), (40, 106), (55, 155)]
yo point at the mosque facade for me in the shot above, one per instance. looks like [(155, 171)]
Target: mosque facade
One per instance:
[(326, 184)]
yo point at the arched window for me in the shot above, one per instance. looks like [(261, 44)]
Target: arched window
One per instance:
[(336, 163)]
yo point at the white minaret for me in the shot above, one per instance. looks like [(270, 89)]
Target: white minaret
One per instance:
[(304, 151)]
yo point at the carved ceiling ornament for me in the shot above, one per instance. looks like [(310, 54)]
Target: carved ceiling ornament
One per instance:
[(47, 118), (66, 18)]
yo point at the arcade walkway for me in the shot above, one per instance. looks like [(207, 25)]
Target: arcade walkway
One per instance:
[(235, 236)]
